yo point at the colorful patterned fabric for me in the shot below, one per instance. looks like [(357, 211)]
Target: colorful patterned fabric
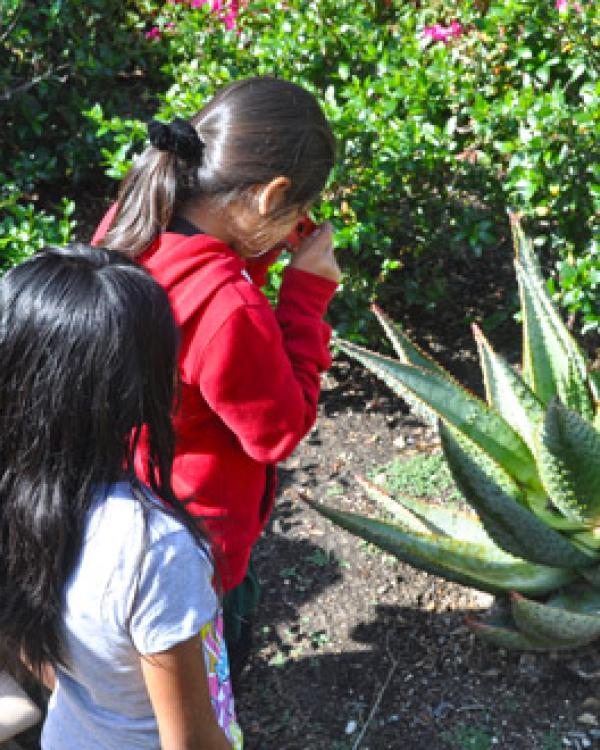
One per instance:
[(219, 683)]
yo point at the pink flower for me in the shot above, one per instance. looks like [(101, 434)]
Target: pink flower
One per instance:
[(562, 6), (154, 33), (439, 33), (229, 20), (226, 10)]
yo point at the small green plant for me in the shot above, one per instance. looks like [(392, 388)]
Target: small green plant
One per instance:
[(551, 741), (423, 475), (527, 461), (465, 737)]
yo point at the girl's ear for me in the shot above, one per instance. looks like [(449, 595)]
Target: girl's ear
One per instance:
[(272, 195)]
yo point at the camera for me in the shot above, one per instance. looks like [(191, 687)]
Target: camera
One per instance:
[(305, 227)]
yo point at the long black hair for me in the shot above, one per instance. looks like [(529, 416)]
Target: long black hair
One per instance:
[(250, 132), (88, 347)]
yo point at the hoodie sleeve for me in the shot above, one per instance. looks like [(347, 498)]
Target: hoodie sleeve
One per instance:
[(260, 370)]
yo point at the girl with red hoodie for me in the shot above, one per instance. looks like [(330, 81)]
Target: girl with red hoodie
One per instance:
[(202, 209)]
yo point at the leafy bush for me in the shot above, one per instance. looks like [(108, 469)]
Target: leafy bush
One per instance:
[(23, 229), (58, 58), (528, 463), (445, 113)]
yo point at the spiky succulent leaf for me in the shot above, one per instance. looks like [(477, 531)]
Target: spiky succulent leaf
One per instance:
[(592, 575), (553, 363), (554, 623), (507, 393), (497, 500), (431, 517), (484, 567), (408, 352), (569, 463), (402, 515), (546, 367), (380, 366), (578, 597), (539, 504), (504, 634), (455, 405), (588, 540)]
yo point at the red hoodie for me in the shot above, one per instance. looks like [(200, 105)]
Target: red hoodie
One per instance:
[(249, 382)]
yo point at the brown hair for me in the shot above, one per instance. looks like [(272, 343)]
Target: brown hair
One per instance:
[(252, 131)]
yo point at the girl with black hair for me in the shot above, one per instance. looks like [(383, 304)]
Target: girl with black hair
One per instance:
[(201, 209), (94, 569)]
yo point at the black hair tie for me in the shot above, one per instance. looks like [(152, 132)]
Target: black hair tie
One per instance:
[(177, 137)]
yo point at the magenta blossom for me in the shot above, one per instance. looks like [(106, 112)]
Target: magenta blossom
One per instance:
[(562, 6), (226, 10), (439, 33)]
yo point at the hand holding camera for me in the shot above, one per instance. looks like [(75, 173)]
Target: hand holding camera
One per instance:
[(314, 249)]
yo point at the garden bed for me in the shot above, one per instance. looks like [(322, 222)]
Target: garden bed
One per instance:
[(348, 636)]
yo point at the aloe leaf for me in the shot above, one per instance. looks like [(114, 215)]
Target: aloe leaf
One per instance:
[(402, 514), (455, 405), (539, 504), (383, 367), (553, 622), (497, 500), (589, 540), (507, 393), (505, 635), (569, 463), (578, 597), (575, 392), (592, 575), (408, 352), (553, 363), (546, 367), (482, 567), (431, 518), (527, 259)]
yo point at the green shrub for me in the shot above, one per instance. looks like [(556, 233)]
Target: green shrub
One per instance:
[(437, 138), (58, 58), (23, 229)]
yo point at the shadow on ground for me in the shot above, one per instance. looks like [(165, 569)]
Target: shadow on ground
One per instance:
[(361, 648)]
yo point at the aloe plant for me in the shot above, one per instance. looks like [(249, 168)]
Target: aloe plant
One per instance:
[(527, 460)]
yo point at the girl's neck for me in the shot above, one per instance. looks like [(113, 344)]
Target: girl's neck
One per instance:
[(215, 223)]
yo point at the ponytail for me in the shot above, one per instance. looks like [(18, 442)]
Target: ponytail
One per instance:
[(251, 132)]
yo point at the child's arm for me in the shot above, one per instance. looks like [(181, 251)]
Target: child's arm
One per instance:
[(178, 688)]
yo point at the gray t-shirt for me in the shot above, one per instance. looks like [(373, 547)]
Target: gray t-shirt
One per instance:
[(100, 701)]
